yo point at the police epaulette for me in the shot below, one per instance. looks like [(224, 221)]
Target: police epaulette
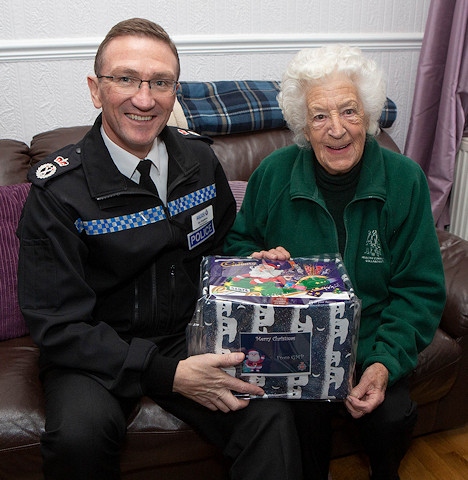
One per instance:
[(53, 166), (190, 134)]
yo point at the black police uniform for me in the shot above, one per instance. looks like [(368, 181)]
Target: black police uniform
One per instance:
[(108, 280)]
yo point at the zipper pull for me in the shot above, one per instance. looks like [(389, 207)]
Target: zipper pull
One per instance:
[(172, 273)]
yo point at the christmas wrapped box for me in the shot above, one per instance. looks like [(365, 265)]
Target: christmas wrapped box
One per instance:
[(296, 321)]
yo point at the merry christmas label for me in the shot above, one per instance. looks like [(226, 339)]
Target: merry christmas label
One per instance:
[(296, 321)]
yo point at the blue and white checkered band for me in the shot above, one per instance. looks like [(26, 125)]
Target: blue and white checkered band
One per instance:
[(117, 224), (146, 217), (192, 200)]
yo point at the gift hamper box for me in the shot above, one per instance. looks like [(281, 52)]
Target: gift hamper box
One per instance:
[(296, 321)]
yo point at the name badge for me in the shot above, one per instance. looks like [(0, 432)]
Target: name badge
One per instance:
[(202, 217), (199, 236)]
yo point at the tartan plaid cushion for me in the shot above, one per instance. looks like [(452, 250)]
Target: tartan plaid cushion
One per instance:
[(222, 107), (388, 115), (216, 108)]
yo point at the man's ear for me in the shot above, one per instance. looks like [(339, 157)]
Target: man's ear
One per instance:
[(93, 85)]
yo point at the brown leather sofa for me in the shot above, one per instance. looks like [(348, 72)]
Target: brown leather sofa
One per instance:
[(161, 446)]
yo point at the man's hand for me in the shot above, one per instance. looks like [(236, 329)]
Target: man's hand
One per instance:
[(202, 379), (278, 253), (369, 393)]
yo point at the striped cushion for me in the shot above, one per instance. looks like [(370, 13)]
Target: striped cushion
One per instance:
[(12, 198)]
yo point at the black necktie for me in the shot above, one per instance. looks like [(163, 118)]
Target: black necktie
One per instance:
[(145, 180)]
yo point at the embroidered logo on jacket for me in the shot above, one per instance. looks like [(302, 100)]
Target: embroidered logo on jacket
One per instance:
[(373, 250)]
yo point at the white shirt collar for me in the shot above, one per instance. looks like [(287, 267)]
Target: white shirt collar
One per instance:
[(125, 161)]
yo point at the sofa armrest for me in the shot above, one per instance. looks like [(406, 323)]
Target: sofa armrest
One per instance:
[(455, 259)]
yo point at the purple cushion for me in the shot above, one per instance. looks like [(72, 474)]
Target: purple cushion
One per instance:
[(12, 198), (238, 190)]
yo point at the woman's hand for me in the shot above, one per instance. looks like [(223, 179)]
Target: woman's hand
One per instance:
[(369, 393), (278, 253)]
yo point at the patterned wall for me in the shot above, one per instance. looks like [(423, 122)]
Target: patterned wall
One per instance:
[(47, 47)]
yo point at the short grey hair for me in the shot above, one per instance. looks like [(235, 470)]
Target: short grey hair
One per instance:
[(137, 27), (311, 67)]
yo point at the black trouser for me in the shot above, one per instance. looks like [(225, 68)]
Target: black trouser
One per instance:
[(385, 433), (86, 425)]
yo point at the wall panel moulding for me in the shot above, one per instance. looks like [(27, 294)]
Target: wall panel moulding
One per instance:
[(76, 48)]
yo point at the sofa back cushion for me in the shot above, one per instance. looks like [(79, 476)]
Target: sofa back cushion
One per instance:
[(45, 143), (241, 153), (12, 198), (14, 161)]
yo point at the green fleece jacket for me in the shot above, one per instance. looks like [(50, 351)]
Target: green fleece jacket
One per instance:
[(392, 254)]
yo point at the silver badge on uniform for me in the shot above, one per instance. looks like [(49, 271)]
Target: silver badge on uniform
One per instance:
[(46, 170)]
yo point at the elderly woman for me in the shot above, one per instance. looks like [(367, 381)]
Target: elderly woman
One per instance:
[(337, 190)]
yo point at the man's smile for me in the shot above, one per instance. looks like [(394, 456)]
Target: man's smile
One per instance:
[(141, 118)]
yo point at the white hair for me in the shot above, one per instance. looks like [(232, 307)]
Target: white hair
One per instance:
[(311, 67)]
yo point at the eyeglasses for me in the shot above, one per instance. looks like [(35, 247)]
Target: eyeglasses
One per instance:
[(130, 85)]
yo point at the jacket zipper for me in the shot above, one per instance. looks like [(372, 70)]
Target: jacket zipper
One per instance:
[(172, 274), (154, 297), (136, 313)]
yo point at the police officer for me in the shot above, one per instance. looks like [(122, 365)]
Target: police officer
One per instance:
[(112, 235)]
